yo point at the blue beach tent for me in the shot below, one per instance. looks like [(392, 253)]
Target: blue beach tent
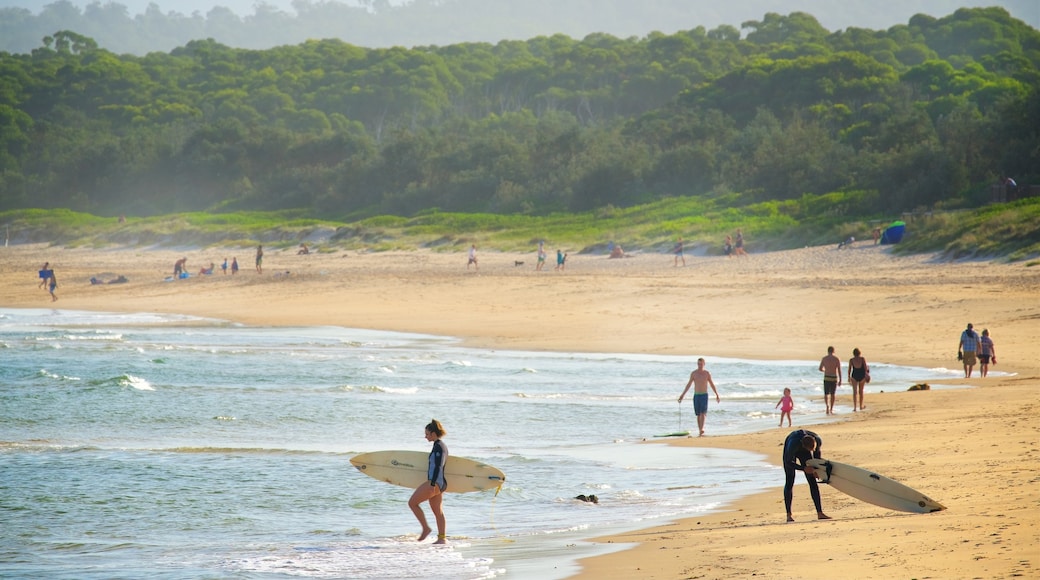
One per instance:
[(893, 234)]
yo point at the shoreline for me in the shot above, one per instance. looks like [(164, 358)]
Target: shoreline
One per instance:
[(948, 443)]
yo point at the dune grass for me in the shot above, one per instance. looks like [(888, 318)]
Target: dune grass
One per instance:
[(1007, 231)]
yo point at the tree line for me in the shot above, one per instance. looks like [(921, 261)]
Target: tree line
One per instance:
[(922, 114)]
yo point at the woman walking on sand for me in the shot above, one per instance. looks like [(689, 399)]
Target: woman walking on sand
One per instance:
[(859, 374), (988, 354), (432, 490)]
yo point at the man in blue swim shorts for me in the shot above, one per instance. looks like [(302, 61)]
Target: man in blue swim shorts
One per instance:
[(700, 379)]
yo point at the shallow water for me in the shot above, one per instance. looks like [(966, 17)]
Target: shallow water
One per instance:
[(151, 445)]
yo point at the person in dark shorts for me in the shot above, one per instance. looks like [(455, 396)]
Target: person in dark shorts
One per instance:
[(799, 447), (988, 352), (830, 366)]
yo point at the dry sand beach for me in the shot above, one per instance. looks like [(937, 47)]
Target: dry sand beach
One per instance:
[(976, 450)]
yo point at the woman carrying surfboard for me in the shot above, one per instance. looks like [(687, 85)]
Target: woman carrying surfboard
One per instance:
[(432, 489)]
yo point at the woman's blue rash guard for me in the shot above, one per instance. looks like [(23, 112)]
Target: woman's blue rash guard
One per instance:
[(438, 457)]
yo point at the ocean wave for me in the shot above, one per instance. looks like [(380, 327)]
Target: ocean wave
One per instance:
[(50, 375), (237, 451), (98, 336), (135, 382)]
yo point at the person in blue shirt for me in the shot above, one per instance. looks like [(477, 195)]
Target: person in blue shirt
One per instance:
[(968, 346), (432, 490), (45, 274), (800, 446)]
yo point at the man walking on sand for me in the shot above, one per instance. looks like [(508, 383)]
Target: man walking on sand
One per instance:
[(700, 379), (830, 366), (967, 347)]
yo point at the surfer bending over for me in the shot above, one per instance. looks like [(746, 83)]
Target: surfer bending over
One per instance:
[(432, 490), (799, 447), (700, 379)]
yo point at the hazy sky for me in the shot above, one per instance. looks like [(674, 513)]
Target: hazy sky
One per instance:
[(832, 14)]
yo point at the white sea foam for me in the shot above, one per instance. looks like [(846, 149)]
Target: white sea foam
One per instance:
[(402, 559), (137, 383)]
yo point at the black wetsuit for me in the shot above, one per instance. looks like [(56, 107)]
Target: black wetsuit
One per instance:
[(795, 456)]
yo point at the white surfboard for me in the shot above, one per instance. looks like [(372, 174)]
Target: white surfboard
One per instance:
[(408, 469), (873, 488)]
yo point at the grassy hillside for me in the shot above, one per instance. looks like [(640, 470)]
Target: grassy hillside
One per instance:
[(1005, 231)]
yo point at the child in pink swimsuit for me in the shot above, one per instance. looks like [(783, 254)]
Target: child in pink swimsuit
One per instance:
[(786, 403)]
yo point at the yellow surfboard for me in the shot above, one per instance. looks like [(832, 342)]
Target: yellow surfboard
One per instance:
[(408, 469)]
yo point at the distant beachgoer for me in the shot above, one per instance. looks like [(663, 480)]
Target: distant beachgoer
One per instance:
[(44, 274), (799, 447), (432, 490), (987, 352), (541, 256), (678, 251), (858, 375), (303, 251), (738, 246), (786, 404), (260, 259), (700, 379), (968, 346), (617, 252), (52, 283), (472, 258), (179, 267), (223, 267), (560, 259), (830, 366), (234, 266), (876, 234), (728, 246)]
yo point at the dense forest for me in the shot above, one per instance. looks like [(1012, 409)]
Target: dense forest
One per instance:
[(143, 26), (925, 114)]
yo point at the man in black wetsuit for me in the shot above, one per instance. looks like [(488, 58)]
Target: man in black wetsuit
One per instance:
[(799, 447)]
